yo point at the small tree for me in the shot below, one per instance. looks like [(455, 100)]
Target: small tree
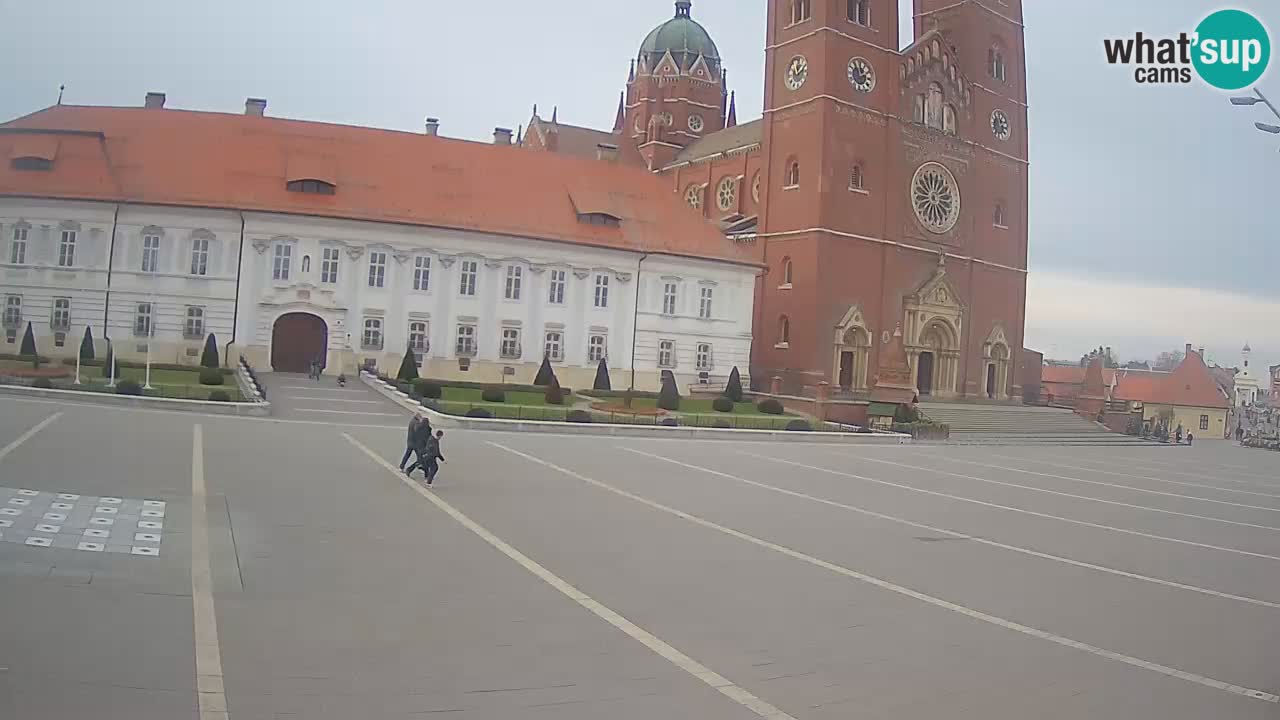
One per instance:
[(86, 345), (554, 394), (28, 342), (209, 358), (408, 367), (733, 390), (669, 396), (602, 376), (545, 373), (110, 360)]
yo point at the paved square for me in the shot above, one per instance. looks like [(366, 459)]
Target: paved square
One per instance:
[(67, 520)]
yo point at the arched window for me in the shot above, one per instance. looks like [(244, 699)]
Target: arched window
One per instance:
[(793, 174), (784, 331), (799, 11), (998, 216), (918, 114), (995, 62), (860, 12), (933, 107), (949, 119), (855, 177), (306, 263), (788, 271)]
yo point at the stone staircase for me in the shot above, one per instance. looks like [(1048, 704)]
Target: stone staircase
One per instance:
[(1020, 425)]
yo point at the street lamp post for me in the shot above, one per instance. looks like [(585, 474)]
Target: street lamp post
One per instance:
[(1247, 101), (635, 326)]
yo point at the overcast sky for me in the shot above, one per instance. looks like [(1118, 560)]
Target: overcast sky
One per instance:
[(1149, 205)]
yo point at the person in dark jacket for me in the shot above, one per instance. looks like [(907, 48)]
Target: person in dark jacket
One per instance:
[(433, 455), (418, 444), (409, 439)]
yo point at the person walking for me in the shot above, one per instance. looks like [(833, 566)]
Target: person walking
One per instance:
[(433, 455), (1178, 434), (409, 439), (420, 439)]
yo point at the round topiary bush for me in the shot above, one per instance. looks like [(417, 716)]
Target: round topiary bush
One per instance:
[(43, 384), (219, 396), (670, 422), (578, 416), (722, 424), (799, 426), (722, 404), (493, 395), (211, 376), (128, 387), (769, 406), (479, 413)]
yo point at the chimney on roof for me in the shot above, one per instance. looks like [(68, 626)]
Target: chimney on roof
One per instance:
[(1201, 353), (607, 152), (256, 107), (433, 127), (501, 136), (155, 100)]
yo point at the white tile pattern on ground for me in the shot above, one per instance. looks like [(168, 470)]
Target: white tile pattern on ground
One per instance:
[(82, 522)]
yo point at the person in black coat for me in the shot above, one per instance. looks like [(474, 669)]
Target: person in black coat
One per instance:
[(419, 440)]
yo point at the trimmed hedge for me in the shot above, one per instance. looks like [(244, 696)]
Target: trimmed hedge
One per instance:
[(428, 389), (670, 422), (404, 387), (722, 404), (210, 376), (135, 365), (219, 396), (467, 385), (26, 358), (479, 413), (769, 406), (128, 387), (799, 426), (617, 394), (493, 395), (578, 416), (554, 394), (43, 384), (733, 389), (722, 424)]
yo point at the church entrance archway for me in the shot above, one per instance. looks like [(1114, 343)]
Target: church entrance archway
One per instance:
[(991, 380), (924, 374), (297, 340)]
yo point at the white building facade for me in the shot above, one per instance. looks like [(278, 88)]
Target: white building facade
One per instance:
[(1250, 388)]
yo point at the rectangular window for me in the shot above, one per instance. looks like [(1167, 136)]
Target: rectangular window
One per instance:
[(510, 349), (799, 11), (419, 345), (59, 339), (194, 326), (602, 291), (704, 357), (329, 266), (18, 249), (860, 12), (12, 311), (377, 269), (553, 348), (200, 256), (142, 324), (704, 303), (61, 318), (67, 249), (467, 282), (556, 294), (150, 253), (666, 354), (466, 345), (515, 277), (372, 338), (422, 273), (283, 257), (669, 299), (595, 348), (1204, 422)]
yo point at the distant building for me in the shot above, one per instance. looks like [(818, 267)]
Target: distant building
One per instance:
[(1249, 388), (1189, 397)]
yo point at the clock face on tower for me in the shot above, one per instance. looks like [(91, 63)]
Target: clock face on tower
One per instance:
[(797, 72), (1000, 125), (861, 75)]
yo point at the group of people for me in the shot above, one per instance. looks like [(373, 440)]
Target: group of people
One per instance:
[(422, 444), (1258, 426)]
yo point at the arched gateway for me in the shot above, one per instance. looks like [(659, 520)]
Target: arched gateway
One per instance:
[(297, 340)]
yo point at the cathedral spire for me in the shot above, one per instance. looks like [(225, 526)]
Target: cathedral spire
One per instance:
[(620, 120), (732, 120), (683, 7)]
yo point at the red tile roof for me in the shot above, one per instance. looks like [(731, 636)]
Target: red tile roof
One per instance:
[(1192, 385), (1139, 387), (175, 157)]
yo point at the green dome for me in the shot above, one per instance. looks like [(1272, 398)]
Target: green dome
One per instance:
[(684, 38)]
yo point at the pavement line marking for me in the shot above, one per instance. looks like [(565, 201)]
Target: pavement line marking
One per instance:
[(318, 389), (201, 416), (28, 435), (346, 412), (1084, 523), (209, 680), (963, 536), (1073, 496), (1136, 477), (301, 398), (908, 592), (635, 632)]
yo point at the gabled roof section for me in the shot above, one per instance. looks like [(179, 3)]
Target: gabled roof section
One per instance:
[(1192, 385), (217, 160), (740, 138), (38, 146), (577, 141), (304, 165)]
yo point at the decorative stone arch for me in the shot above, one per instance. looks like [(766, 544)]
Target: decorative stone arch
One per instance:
[(933, 326), (298, 335), (995, 359), (852, 352)]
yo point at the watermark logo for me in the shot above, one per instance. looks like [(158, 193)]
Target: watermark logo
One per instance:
[(1229, 50)]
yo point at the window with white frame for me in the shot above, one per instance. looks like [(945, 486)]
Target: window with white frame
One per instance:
[(306, 264), (596, 348), (18, 248), (995, 63), (555, 295), (12, 311), (329, 266), (800, 11), (372, 338), (200, 256), (466, 345), (860, 12), (422, 273), (194, 326), (377, 269), (669, 299), (704, 357), (515, 279), (998, 217), (510, 348), (856, 178), (143, 325), (602, 291), (60, 319), (280, 265), (467, 281), (553, 346), (67, 249), (666, 353), (704, 303), (150, 253), (419, 345)]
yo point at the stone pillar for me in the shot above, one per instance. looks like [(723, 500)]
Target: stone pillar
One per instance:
[(824, 396), (775, 386)]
